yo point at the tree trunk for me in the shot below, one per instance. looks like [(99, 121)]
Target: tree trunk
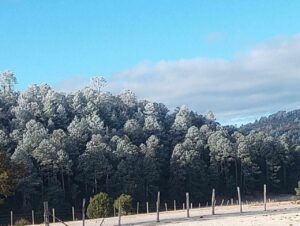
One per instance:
[(42, 186), (284, 176), (95, 183), (242, 182), (106, 183), (63, 181), (48, 177), (236, 173), (267, 174)]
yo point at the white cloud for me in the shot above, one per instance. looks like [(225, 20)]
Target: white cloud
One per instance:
[(264, 80)]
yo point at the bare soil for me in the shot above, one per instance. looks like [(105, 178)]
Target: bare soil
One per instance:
[(277, 214)]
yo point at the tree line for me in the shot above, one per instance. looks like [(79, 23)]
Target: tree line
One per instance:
[(69, 146)]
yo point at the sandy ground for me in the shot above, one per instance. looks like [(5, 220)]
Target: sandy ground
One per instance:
[(277, 214)]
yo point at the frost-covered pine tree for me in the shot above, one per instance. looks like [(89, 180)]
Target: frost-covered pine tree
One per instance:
[(151, 124), (7, 81)]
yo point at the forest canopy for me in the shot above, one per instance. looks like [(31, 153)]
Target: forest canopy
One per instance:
[(75, 145)]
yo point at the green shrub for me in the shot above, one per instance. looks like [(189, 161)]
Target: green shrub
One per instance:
[(22, 222), (99, 206), (126, 205)]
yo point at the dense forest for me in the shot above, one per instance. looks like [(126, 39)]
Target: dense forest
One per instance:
[(278, 124), (63, 147)]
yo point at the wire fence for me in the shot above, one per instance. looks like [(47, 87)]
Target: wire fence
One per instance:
[(75, 213), (37, 217)]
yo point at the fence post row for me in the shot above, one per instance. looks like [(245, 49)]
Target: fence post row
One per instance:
[(157, 206), (83, 212), (239, 199), (213, 199), (32, 216), (187, 205), (46, 214), (147, 207), (265, 197), (53, 215), (11, 218), (73, 213), (119, 212)]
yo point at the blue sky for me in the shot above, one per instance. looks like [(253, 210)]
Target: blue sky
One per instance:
[(55, 41)]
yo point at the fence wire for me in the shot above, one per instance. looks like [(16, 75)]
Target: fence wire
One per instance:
[(66, 215)]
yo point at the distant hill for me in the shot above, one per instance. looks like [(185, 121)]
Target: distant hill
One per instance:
[(278, 124)]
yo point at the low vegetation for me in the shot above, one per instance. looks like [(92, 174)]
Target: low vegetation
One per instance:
[(99, 206), (126, 203)]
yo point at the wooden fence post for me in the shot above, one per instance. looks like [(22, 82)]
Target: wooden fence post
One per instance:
[(240, 200), (166, 206), (137, 207), (83, 212), (11, 218), (183, 206), (32, 217), (119, 212), (265, 197), (174, 204), (147, 207), (213, 199), (46, 214), (191, 205), (187, 205), (199, 205), (222, 202), (73, 213), (53, 215), (157, 206), (232, 201)]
